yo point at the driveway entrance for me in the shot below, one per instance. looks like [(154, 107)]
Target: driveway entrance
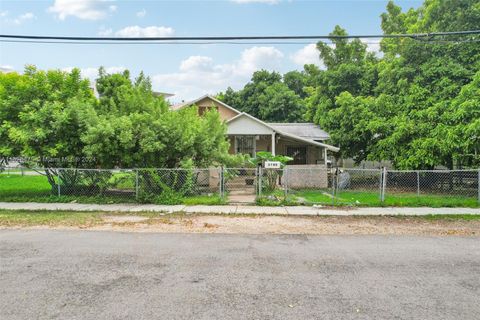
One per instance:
[(240, 184)]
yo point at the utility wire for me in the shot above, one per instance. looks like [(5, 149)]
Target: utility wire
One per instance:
[(173, 42), (425, 41), (240, 38)]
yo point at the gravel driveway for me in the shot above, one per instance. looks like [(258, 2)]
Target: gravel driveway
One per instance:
[(48, 274)]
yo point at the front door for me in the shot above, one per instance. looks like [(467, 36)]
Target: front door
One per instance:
[(298, 153), (245, 145)]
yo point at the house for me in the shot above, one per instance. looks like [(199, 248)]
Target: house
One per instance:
[(304, 142)]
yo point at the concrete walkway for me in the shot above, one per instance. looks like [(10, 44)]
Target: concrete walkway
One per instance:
[(237, 209)]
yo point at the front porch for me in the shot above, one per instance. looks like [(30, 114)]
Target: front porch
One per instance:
[(301, 152), (249, 135)]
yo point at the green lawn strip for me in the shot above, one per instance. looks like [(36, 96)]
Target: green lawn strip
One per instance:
[(467, 217), (15, 218), (214, 199), (17, 188), (371, 198), (276, 198), (25, 186), (50, 218)]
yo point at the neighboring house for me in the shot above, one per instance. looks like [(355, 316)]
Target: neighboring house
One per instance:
[(304, 142), (6, 70)]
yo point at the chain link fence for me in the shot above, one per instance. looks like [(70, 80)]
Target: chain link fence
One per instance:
[(163, 186), (307, 185), (372, 187)]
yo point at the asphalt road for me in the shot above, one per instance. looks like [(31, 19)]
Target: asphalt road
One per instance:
[(108, 275)]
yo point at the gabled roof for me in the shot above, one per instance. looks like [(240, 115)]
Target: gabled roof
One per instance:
[(304, 130), (192, 102), (296, 131), (284, 133)]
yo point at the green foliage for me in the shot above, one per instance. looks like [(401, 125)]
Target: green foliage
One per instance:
[(270, 176), (53, 117), (415, 104), (269, 98)]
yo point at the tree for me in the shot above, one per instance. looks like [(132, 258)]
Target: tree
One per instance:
[(406, 106), (351, 71), (268, 98), (135, 128), (424, 78), (52, 118), (280, 104), (43, 115), (296, 81)]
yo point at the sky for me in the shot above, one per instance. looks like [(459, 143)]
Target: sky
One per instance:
[(186, 70)]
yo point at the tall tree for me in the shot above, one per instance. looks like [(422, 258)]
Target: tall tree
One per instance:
[(43, 115), (136, 128), (268, 97)]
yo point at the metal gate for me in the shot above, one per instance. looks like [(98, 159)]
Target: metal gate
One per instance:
[(240, 180)]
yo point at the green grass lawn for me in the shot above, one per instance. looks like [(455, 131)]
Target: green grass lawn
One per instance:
[(23, 186), (28, 188), (371, 198)]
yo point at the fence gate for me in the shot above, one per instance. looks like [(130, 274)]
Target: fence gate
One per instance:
[(240, 180)]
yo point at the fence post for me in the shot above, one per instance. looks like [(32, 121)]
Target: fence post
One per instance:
[(285, 182), (221, 182), (136, 184), (334, 185), (418, 183), (58, 183), (478, 185), (384, 183), (259, 170), (380, 184)]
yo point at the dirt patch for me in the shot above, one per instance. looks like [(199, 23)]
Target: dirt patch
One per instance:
[(123, 219), (292, 225)]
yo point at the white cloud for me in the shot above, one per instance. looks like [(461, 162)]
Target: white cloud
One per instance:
[(141, 13), (20, 19), (82, 9), (256, 1), (199, 75), (307, 55), (103, 32), (197, 63), (151, 31), (23, 17), (310, 55), (372, 46)]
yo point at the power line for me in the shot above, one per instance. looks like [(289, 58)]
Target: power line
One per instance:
[(423, 41), (240, 38), (173, 42)]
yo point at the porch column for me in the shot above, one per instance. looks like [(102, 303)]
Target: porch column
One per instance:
[(273, 143), (325, 156)]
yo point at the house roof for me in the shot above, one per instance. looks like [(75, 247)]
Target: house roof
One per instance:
[(296, 131), (192, 102), (163, 94), (285, 133), (304, 130)]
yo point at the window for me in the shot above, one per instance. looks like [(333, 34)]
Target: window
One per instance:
[(203, 109), (298, 153), (245, 145)]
